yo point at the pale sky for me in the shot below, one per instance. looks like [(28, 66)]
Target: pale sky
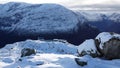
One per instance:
[(75, 3)]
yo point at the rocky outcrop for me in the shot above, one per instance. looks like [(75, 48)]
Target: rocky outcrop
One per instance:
[(105, 45)]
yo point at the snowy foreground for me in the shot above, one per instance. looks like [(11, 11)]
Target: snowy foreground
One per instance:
[(50, 54)]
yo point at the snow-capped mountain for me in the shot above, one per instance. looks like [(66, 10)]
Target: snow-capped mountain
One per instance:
[(20, 21), (115, 17), (36, 18), (104, 21)]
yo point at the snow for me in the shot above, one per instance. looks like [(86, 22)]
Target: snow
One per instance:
[(7, 60), (100, 63), (50, 54), (45, 61), (106, 36), (88, 45), (49, 57)]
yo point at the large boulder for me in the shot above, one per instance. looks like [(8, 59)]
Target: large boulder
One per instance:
[(108, 45), (88, 47)]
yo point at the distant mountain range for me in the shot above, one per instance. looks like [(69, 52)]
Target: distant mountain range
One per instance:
[(104, 21)]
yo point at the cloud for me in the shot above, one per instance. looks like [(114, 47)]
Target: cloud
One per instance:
[(93, 4), (34, 1), (96, 4)]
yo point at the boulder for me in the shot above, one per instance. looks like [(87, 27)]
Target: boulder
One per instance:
[(108, 44), (27, 52), (80, 62)]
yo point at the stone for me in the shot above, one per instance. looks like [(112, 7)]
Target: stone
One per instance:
[(79, 62), (27, 52)]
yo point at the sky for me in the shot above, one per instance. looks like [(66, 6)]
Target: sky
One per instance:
[(96, 4)]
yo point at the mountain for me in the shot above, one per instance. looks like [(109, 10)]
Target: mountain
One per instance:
[(105, 21), (21, 21), (36, 18)]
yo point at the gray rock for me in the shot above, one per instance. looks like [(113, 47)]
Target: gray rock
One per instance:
[(111, 49), (27, 52), (108, 44), (79, 62)]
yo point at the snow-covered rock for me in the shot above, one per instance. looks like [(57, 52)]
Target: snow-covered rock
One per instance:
[(109, 45), (105, 37), (106, 44), (88, 47)]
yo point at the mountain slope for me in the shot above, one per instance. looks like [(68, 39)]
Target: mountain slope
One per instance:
[(36, 18)]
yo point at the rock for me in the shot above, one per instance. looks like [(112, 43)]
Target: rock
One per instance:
[(27, 52), (108, 45), (111, 49), (79, 62), (88, 48)]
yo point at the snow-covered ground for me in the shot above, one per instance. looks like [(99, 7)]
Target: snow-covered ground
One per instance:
[(50, 54)]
